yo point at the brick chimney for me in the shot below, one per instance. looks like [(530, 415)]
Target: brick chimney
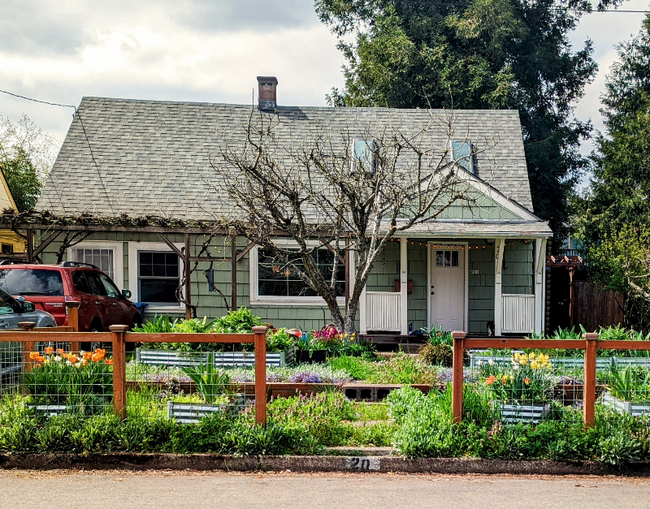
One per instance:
[(266, 93)]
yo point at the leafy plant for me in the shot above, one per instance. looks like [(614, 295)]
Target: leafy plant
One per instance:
[(437, 354), (84, 381), (211, 382), (278, 341), (437, 335)]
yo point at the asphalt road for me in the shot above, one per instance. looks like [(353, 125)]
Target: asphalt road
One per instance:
[(197, 490)]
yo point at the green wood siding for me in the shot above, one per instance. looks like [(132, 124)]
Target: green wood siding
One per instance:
[(517, 278)]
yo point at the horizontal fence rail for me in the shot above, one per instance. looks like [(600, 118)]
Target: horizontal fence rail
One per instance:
[(590, 344), (119, 336)]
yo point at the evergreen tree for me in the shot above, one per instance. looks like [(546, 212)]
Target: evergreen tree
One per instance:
[(476, 54)]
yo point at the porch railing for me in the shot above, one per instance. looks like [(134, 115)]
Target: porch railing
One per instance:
[(384, 311), (518, 313)]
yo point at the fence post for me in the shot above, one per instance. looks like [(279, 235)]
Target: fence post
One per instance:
[(260, 374), (28, 346), (119, 369), (589, 391), (457, 381), (73, 321)]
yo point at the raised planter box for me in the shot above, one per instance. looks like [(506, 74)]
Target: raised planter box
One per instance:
[(50, 410), (602, 363), (174, 359), (514, 412), (188, 413), (570, 394), (626, 407)]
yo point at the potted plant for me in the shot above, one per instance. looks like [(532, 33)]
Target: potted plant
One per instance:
[(523, 391)]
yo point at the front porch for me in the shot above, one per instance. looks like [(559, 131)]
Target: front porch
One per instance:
[(465, 284)]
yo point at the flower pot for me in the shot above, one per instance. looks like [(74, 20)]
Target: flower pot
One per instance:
[(311, 357), (521, 412)]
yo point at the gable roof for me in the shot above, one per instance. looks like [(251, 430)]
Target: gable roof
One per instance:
[(142, 158)]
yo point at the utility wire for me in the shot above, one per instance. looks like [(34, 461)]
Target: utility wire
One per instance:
[(83, 129)]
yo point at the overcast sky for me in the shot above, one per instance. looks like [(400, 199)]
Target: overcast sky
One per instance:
[(197, 50)]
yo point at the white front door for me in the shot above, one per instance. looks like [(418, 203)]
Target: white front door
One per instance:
[(448, 288)]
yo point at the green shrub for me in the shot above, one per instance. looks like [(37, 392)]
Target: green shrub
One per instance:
[(438, 355)]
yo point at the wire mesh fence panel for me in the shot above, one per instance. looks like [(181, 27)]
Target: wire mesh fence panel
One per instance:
[(50, 379), (188, 383), (625, 388), (522, 386)]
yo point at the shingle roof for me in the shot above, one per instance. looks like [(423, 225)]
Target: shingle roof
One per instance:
[(153, 157)]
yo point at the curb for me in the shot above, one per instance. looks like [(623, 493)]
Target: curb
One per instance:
[(373, 464)]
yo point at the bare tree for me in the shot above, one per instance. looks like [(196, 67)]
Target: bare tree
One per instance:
[(351, 190)]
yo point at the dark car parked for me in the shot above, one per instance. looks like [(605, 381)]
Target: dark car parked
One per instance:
[(49, 287)]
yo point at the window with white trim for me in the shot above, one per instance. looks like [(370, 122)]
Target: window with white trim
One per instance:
[(462, 154), (103, 258), (158, 277), (108, 256), (363, 156), (154, 275), (272, 281)]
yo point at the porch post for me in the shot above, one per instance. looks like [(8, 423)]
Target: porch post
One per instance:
[(403, 264), (498, 302), (540, 263)]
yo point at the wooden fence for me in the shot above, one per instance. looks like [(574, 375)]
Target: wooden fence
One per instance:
[(590, 344), (119, 337), (595, 307)]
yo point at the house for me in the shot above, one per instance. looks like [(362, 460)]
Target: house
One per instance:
[(10, 241), (134, 182)]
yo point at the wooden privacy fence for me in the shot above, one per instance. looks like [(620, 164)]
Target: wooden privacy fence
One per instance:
[(590, 344), (119, 337)]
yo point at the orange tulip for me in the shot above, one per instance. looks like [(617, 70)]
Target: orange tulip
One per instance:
[(60, 351), (49, 350), (34, 355), (490, 380), (527, 381), (73, 358), (109, 362), (40, 358), (88, 355)]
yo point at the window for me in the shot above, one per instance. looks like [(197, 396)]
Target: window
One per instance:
[(110, 289), (7, 248), (101, 258), (154, 275), (273, 282), (461, 152), (108, 256), (446, 258), (158, 277), (364, 156), (27, 282)]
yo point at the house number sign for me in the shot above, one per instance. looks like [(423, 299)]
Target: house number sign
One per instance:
[(362, 463)]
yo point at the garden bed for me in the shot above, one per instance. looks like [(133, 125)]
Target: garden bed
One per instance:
[(626, 407), (180, 359)]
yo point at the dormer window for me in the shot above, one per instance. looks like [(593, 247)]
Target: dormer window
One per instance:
[(462, 154), (363, 156)]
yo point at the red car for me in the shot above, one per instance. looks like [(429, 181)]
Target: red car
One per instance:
[(50, 286)]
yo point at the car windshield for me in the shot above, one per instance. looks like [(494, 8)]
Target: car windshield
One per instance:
[(31, 282)]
